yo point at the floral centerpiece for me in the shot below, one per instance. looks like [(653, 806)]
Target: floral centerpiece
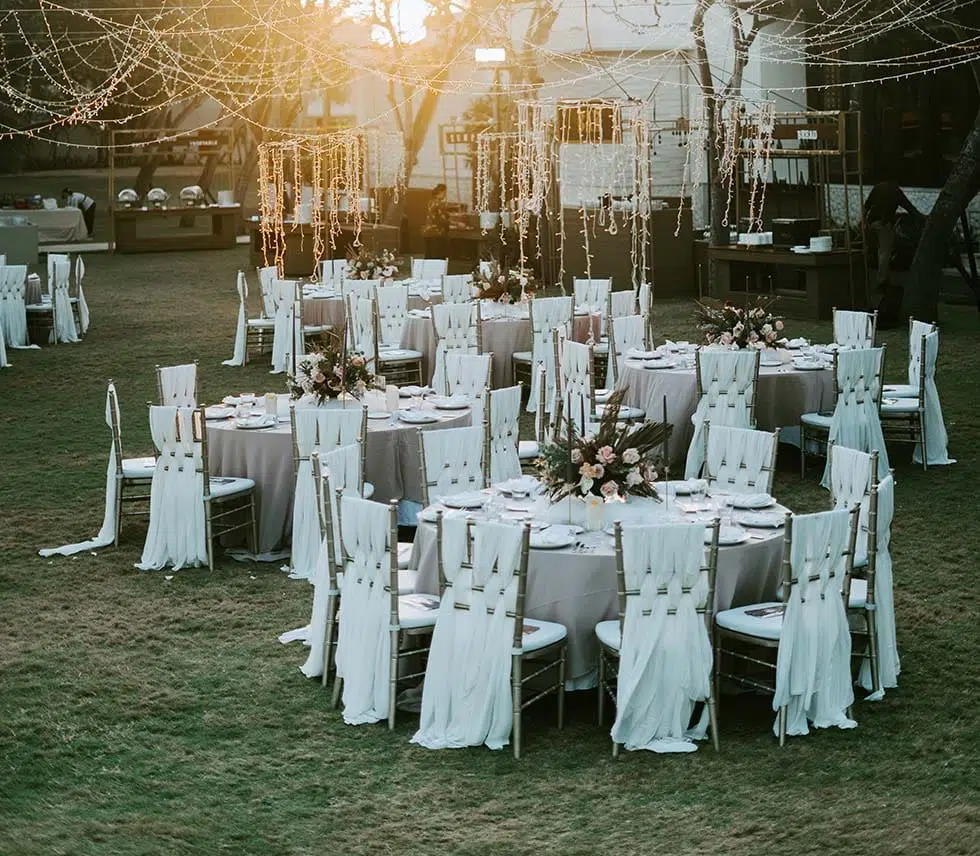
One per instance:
[(365, 265), (504, 286), (330, 373), (616, 462), (739, 327)]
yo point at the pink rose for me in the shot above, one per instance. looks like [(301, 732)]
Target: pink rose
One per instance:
[(605, 455), (318, 377), (598, 470), (609, 489)]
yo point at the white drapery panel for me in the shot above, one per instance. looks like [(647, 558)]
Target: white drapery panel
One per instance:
[(340, 470), (64, 319), (178, 385), (3, 350), (455, 328), (176, 534), (505, 410), (853, 329), (469, 375), (340, 426), (917, 330), (429, 268), (644, 297), (889, 664), (363, 288), (360, 324), (727, 397), (59, 265), (268, 276), (392, 307), (453, 460), (466, 698), (851, 475), (937, 440), (813, 669), (238, 357), (13, 312), (621, 303), (283, 332), (107, 534), (305, 543), (575, 385), (547, 314), (665, 655), (856, 422), (364, 637), (84, 319), (591, 293), (739, 460), (628, 333), (333, 270), (457, 288)]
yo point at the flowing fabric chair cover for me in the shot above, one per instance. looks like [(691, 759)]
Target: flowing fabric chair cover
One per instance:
[(457, 288), (466, 697), (340, 470), (107, 534), (503, 427), (360, 324), (740, 460), (177, 385), (547, 314), (456, 329), (363, 288), (429, 268), (13, 311), (58, 265), (333, 270), (3, 350), (392, 308), (852, 473), (283, 332), (644, 299), (726, 382), (591, 293), (84, 318), (889, 664), (268, 277), (469, 375), (626, 333), (620, 304), (854, 329), (364, 638), (176, 534), (813, 672), (340, 426), (64, 329), (238, 358), (305, 543), (576, 385), (665, 662), (917, 330), (856, 422), (452, 461), (937, 440)]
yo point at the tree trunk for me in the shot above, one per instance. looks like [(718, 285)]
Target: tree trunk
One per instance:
[(922, 292)]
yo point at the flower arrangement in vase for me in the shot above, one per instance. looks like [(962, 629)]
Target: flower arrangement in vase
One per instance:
[(616, 462), (504, 286), (330, 373), (364, 265), (740, 327)]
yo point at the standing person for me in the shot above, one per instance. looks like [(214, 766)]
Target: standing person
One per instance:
[(436, 230), (74, 199), (880, 211)]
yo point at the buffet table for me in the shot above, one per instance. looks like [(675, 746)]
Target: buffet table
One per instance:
[(139, 230), (54, 225)]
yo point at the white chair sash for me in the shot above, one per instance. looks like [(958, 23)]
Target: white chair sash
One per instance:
[(267, 279), (854, 329), (64, 319), (621, 304), (469, 375), (333, 270), (364, 637), (851, 475), (547, 313), (575, 385), (107, 533), (3, 350), (13, 311), (457, 288), (176, 534), (392, 308), (856, 422), (628, 333), (453, 460), (238, 357), (363, 288), (429, 268), (305, 543), (665, 654), (360, 323), (178, 385), (283, 331), (591, 293), (813, 672), (917, 329), (59, 266), (937, 440), (739, 460), (84, 318), (466, 697), (455, 328), (727, 397), (505, 411)]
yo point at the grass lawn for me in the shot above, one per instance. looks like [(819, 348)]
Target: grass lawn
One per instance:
[(141, 716)]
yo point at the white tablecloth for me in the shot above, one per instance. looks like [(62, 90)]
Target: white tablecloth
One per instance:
[(58, 225)]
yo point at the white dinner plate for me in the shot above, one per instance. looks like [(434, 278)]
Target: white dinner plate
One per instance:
[(522, 484), (252, 423), (428, 515), (218, 412), (769, 359), (417, 417), (750, 501), (796, 344), (450, 402), (727, 536), (659, 363), (808, 365), (634, 354), (471, 499), (552, 538), (378, 414), (234, 400), (761, 519), (411, 390)]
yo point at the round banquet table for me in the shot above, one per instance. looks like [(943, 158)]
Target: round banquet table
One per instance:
[(502, 336), (578, 588), (266, 457), (783, 394), (321, 308)]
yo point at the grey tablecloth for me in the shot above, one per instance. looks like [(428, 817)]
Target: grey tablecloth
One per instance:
[(330, 310), (783, 394), (266, 457), (58, 224), (579, 589)]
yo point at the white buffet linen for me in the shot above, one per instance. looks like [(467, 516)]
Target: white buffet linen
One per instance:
[(176, 534), (813, 671), (889, 664), (466, 698), (13, 311), (937, 440), (364, 637), (665, 655), (856, 423), (238, 357), (83, 313), (107, 534)]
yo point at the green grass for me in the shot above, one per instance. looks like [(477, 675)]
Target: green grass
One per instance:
[(139, 715)]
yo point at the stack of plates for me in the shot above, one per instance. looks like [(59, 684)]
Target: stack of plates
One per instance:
[(658, 362), (750, 500), (254, 422), (450, 402), (417, 417), (807, 364), (470, 499)]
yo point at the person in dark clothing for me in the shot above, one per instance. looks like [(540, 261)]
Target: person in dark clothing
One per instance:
[(880, 213), (436, 230), (74, 199)]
